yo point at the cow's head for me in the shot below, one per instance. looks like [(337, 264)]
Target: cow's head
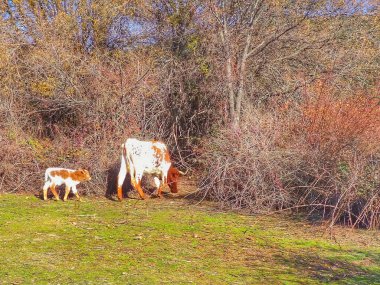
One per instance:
[(173, 177)]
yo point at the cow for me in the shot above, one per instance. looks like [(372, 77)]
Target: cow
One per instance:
[(55, 176), (147, 157)]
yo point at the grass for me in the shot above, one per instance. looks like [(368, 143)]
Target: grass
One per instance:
[(168, 241)]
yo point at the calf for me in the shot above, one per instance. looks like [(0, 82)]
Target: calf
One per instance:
[(152, 157), (71, 178)]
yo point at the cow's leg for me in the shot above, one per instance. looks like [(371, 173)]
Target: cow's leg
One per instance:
[(140, 190), (136, 177), (52, 187), (75, 191), (45, 189), (67, 191), (157, 181), (121, 178), (137, 185), (120, 181)]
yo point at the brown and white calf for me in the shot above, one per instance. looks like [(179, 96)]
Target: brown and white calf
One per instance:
[(151, 157), (55, 176)]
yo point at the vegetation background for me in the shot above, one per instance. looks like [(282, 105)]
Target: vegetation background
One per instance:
[(274, 103)]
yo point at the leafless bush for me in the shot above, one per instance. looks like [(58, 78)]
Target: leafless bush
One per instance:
[(318, 155), (247, 168), (341, 157), (18, 166)]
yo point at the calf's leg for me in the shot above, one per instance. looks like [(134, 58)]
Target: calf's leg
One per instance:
[(52, 187), (67, 191), (45, 189), (75, 191)]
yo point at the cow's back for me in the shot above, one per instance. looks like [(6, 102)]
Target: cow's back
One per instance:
[(146, 155)]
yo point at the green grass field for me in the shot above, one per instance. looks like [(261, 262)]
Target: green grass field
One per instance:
[(169, 241)]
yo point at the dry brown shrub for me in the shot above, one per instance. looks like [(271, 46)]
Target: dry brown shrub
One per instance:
[(19, 168), (333, 125), (319, 154), (338, 137), (247, 168)]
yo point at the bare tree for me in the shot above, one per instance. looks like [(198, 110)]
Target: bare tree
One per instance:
[(246, 30)]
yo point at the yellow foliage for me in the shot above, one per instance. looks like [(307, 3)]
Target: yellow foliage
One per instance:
[(34, 143), (4, 57), (63, 19), (45, 88), (12, 135), (193, 44), (205, 68), (119, 54), (70, 154), (70, 91), (5, 53), (174, 19)]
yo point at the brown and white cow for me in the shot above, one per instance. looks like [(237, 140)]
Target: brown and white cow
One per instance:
[(55, 176), (151, 157)]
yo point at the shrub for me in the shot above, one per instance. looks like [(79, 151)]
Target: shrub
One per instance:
[(247, 168), (339, 173), (320, 154)]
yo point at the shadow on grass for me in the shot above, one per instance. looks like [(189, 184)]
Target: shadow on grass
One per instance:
[(111, 189), (335, 269)]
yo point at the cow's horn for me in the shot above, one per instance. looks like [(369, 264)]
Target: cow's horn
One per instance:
[(181, 172)]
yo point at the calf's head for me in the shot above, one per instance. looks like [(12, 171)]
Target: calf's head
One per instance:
[(81, 175)]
